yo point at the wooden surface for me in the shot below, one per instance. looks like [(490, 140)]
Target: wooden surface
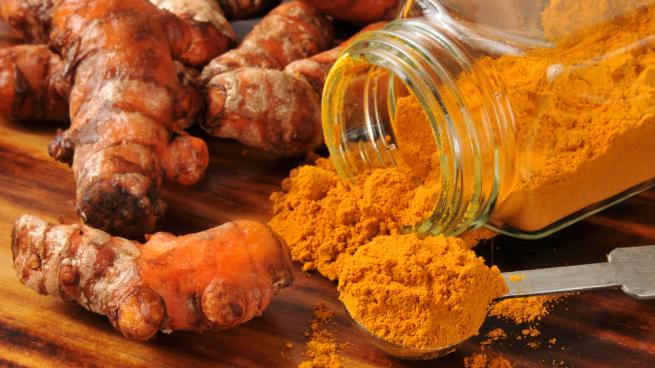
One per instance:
[(596, 329)]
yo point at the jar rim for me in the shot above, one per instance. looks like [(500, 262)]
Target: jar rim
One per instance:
[(467, 197)]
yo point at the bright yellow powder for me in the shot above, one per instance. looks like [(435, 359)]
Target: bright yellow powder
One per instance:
[(585, 111), (413, 292), (324, 219), (529, 309), (322, 345), (486, 361)]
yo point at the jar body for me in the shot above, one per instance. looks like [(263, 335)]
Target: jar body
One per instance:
[(542, 112)]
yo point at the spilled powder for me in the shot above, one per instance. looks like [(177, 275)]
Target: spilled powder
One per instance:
[(322, 345), (480, 360), (413, 292), (517, 278), (530, 331), (492, 336), (324, 219), (522, 310)]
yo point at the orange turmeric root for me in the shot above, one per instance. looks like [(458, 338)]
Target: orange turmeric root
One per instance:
[(37, 88), (291, 31), (215, 279), (8, 39), (126, 102), (264, 108), (315, 68), (210, 33), (277, 111), (34, 84), (29, 19), (358, 11), (244, 9)]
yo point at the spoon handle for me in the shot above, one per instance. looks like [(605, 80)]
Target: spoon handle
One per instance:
[(560, 280), (631, 268)]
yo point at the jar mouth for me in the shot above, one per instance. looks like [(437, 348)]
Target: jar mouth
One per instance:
[(407, 57)]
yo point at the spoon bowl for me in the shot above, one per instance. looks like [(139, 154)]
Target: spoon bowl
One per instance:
[(401, 352)]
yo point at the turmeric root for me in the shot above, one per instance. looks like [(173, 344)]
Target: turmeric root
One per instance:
[(37, 88), (270, 109), (357, 11), (8, 39), (215, 279), (315, 68), (244, 9), (264, 108), (125, 105), (291, 31), (210, 33), (33, 85), (30, 19)]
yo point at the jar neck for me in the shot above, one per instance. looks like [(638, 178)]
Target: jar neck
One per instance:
[(468, 114)]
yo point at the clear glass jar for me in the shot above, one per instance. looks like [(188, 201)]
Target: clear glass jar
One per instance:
[(543, 112)]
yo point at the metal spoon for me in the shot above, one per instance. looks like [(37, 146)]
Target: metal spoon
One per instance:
[(632, 269)]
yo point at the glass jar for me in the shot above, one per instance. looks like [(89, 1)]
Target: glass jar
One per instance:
[(542, 112)]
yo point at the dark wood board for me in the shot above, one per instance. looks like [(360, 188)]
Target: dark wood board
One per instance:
[(595, 329)]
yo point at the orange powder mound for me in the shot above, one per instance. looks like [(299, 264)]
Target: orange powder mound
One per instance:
[(413, 292), (325, 218), (522, 310), (484, 361), (322, 345)]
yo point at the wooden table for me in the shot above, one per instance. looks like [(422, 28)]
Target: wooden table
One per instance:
[(595, 329)]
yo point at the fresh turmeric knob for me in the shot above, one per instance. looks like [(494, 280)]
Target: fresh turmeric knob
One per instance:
[(217, 278)]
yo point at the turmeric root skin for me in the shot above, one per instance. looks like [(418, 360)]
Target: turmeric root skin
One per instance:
[(215, 279), (34, 84), (277, 111), (126, 102), (244, 9), (208, 34), (267, 109), (316, 68), (357, 11), (291, 31), (29, 18), (8, 39)]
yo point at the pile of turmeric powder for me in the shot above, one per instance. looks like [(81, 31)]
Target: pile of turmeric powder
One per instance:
[(325, 218), (414, 292)]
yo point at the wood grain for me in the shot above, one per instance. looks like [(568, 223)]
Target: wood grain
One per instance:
[(596, 329)]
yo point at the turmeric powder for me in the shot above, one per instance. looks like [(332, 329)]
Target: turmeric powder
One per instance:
[(414, 292), (584, 109), (322, 345), (325, 218), (529, 309), (480, 360), (579, 116)]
